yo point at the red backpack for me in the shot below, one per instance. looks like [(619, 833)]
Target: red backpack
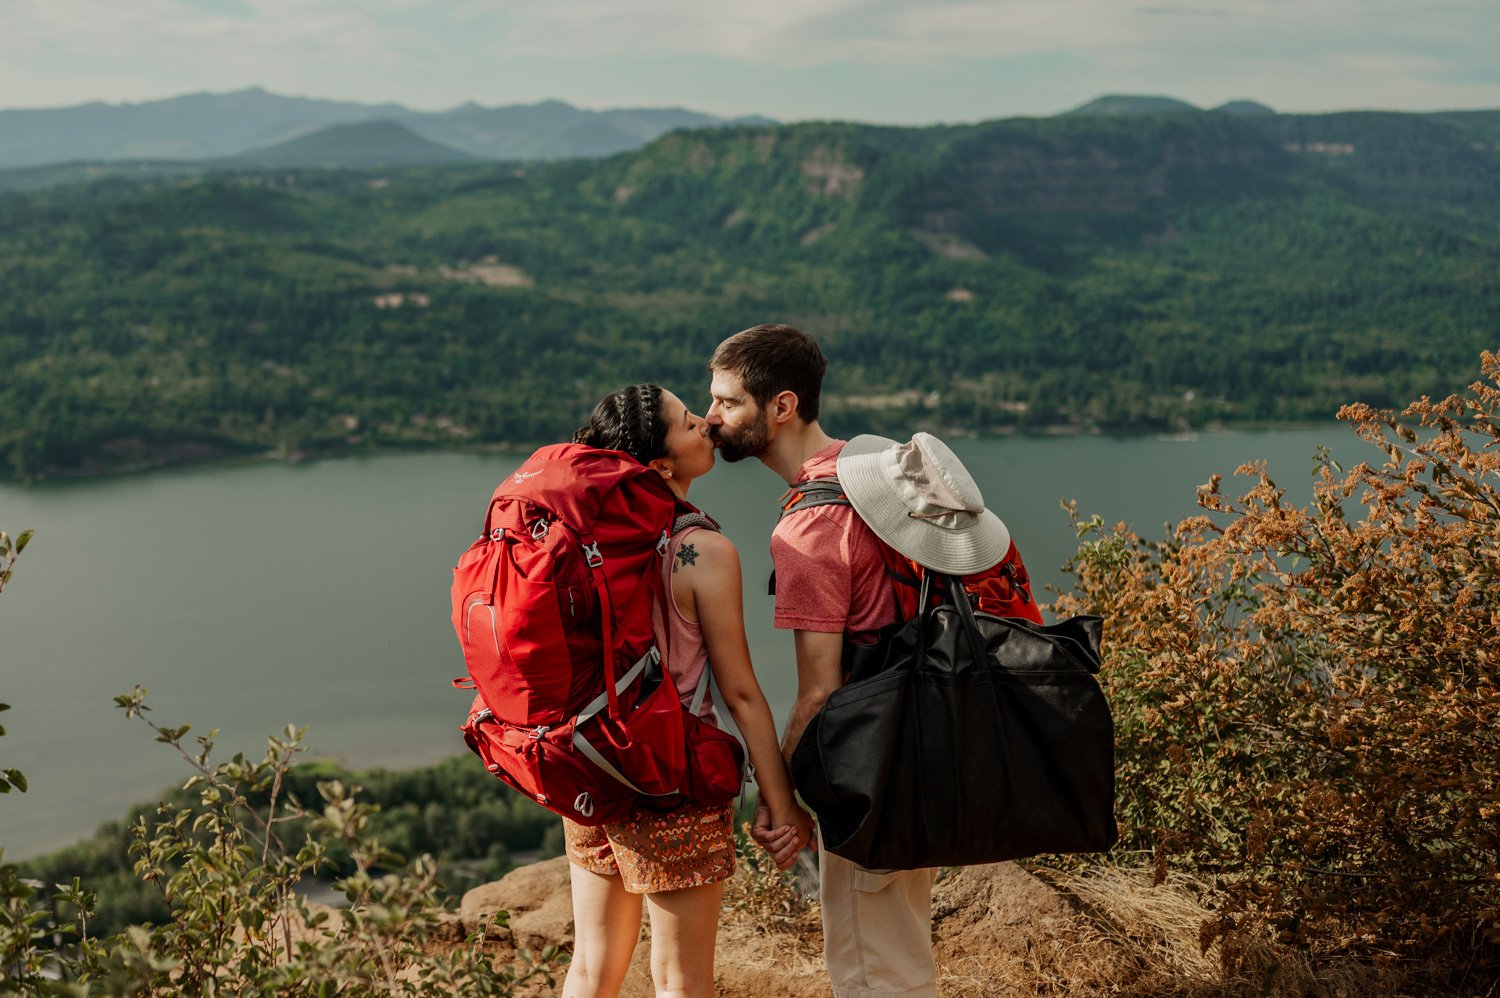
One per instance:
[(555, 607), (1002, 590)]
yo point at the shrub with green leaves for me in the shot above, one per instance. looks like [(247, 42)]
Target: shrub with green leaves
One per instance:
[(228, 868)]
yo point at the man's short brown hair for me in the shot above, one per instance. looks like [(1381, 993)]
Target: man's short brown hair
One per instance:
[(772, 358)]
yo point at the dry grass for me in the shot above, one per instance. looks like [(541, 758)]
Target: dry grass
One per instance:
[(1101, 932), (1004, 931), (1106, 931), (1140, 938), (760, 894)]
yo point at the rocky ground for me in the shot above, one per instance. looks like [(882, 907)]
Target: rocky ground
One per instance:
[(997, 930)]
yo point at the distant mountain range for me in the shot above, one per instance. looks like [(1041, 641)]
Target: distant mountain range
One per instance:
[(1119, 105), (380, 143), (260, 127), (254, 129), (1481, 126)]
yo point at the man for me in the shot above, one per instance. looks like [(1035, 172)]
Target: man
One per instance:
[(831, 586)]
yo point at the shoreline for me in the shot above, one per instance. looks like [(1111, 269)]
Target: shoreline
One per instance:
[(197, 456), (56, 842)]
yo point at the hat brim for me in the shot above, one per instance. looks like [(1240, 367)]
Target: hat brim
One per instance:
[(959, 550)]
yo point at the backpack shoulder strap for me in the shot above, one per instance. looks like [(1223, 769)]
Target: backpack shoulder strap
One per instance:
[(806, 495), (694, 518), (813, 492)]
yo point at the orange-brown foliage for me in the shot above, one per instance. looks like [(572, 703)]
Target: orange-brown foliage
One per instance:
[(1307, 698)]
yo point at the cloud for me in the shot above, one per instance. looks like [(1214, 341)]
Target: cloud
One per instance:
[(872, 59), (1184, 11), (174, 46)]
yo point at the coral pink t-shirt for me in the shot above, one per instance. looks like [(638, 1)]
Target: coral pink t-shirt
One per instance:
[(830, 575)]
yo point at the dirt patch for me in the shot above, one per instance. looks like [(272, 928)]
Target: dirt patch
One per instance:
[(489, 271), (813, 235), (398, 299), (883, 401), (701, 158), (831, 174), (949, 245)]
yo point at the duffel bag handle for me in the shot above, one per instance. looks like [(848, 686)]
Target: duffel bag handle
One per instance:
[(960, 598), (925, 610)]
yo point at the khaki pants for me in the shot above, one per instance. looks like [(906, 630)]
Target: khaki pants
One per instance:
[(877, 929)]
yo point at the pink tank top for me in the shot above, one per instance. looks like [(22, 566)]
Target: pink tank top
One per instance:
[(687, 655)]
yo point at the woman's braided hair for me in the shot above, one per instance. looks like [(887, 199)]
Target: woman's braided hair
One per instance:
[(629, 420)]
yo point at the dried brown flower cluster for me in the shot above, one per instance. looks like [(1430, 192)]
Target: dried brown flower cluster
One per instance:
[(1307, 698)]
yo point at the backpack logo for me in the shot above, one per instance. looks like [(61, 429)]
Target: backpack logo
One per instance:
[(521, 476)]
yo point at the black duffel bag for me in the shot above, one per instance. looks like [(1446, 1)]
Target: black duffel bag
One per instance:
[(961, 738)]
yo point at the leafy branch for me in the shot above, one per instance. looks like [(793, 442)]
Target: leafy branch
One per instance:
[(10, 550)]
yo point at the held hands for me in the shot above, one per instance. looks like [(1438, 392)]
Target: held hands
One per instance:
[(783, 834)]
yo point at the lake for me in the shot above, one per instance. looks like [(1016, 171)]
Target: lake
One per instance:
[(250, 596)]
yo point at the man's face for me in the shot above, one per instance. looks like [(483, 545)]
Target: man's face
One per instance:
[(737, 425)]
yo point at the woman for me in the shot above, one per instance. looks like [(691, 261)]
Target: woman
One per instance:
[(680, 860)]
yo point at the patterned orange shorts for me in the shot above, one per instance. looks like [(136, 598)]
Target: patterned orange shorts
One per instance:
[(652, 853)]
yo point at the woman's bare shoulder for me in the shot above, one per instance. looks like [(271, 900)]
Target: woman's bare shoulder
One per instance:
[(710, 540)]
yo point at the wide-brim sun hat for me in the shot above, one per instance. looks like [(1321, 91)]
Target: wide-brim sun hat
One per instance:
[(920, 499)]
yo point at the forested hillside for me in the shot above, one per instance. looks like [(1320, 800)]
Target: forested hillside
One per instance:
[(1133, 273)]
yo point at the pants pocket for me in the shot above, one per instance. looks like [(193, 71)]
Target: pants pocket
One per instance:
[(870, 881)]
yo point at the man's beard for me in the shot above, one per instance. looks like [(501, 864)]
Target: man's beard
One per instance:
[(753, 441)]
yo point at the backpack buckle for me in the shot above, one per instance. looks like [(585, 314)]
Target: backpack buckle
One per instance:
[(539, 529), (592, 556), (497, 534)]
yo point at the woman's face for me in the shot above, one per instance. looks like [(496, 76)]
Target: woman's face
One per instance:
[(690, 452)]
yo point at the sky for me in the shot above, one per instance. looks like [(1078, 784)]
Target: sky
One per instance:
[(886, 61)]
